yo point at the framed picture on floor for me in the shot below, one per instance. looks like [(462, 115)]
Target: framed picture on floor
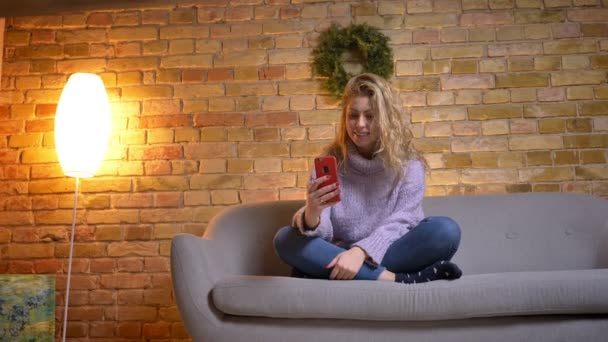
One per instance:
[(27, 307)]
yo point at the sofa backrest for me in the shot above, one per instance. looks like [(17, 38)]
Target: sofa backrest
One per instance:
[(243, 234), (527, 231), (500, 233)]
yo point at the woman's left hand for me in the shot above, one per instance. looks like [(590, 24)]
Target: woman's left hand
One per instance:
[(346, 264)]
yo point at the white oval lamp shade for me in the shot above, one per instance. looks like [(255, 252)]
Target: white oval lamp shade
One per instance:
[(83, 124)]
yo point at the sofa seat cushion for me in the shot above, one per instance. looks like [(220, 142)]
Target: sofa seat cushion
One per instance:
[(480, 295)]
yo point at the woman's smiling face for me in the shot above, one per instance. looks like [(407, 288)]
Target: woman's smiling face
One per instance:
[(362, 125)]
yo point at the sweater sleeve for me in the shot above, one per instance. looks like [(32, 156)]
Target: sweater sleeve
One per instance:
[(324, 230), (408, 213)]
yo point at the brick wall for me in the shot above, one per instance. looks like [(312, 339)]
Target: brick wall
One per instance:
[(214, 105)]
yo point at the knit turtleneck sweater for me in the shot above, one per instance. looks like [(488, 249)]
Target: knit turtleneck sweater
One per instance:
[(374, 210)]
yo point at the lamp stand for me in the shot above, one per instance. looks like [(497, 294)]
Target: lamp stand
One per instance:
[(67, 289)]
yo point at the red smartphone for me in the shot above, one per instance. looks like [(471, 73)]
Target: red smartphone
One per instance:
[(327, 166)]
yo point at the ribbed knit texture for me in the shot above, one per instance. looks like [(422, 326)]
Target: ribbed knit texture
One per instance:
[(374, 211)]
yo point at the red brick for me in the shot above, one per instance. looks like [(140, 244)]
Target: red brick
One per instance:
[(156, 107), (78, 282), (157, 168), (45, 202), (155, 17), (218, 119), (47, 266), (129, 265), (157, 330), (127, 49), (13, 188), (82, 250), (28, 251), (20, 267), (78, 265), (84, 234), (272, 73), (139, 232), (426, 36), (101, 297), (38, 21), (5, 236), (210, 15), (193, 75), (130, 297), (170, 314), (132, 313), (182, 16), (240, 13), (120, 249), (290, 13), (43, 36), (467, 82), (477, 19), (594, 14), (167, 199), (51, 171), (129, 329), (16, 172), (18, 203), (219, 75), (77, 298), (5, 112), (102, 329), (100, 19), (76, 329), (272, 119), (44, 110), (132, 200), (124, 281), (156, 264), (103, 184), (157, 296), (164, 121), (26, 235), (566, 30), (39, 126), (162, 281), (12, 126), (4, 266), (105, 265), (85, 313), (9, 156)]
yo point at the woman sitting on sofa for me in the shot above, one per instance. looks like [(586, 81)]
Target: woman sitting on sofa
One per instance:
[(377, 231)]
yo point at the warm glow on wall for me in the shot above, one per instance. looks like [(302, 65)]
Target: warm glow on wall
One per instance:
[(82, 125)]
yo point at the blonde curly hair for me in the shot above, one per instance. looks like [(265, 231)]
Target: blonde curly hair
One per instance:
[(394, 145)]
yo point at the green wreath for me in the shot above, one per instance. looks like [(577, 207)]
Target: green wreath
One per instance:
[(369, 42)]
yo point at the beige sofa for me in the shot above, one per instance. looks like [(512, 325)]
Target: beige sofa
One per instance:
[(535, 269)]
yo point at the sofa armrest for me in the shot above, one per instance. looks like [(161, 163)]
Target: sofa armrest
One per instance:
[(194, 274), (601, 247)]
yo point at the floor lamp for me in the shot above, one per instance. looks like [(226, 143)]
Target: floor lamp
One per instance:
[(82, 132)]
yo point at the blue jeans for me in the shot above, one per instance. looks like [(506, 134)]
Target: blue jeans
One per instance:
[(435, 238)]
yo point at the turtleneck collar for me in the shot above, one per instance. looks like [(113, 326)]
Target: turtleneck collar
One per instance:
[(361, 164)]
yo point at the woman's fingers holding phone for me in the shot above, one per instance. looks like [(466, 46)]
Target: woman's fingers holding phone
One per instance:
[(318, 198), (326, 189), (313, 185), (314, 194), (325, 198), (327, 192)]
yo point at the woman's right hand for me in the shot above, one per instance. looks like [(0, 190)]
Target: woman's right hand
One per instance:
[(316, 199)]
